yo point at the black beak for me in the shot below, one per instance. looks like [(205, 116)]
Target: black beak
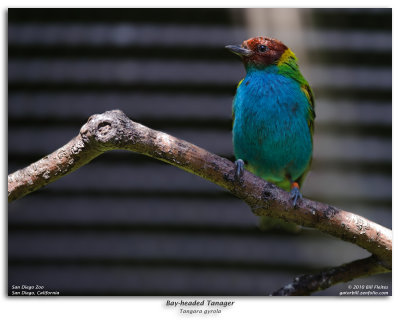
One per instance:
[(239, 50)]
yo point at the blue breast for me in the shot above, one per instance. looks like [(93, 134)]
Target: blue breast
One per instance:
[(270, 130)]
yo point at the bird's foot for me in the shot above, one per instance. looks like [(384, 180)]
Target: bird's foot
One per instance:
[(239, 169), (295, 193)]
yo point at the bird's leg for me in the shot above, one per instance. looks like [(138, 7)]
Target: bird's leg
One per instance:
[(239, 169), (295, 193)]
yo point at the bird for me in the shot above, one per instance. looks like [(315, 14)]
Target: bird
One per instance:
[(273, 114)]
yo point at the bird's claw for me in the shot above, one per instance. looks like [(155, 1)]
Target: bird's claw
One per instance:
[(295, 194), (239, 169)]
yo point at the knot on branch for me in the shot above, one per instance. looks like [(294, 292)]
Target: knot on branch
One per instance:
[(107, 130)]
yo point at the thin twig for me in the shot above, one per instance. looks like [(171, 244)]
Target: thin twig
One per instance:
[(307, 284), (114, 130)]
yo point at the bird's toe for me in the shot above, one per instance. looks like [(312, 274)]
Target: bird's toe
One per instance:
[(239, 169), (295, 195)]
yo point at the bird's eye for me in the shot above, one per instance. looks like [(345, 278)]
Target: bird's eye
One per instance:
[(262, 48)]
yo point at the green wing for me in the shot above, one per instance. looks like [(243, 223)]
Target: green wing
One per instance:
[(311, 106), (310, 120)]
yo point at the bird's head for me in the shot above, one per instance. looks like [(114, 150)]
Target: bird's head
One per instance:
[(261, 52)]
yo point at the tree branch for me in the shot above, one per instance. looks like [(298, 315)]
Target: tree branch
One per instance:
[(114, 130), (307, 284)]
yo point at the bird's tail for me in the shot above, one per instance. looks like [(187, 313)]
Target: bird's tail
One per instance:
[(276, 224)]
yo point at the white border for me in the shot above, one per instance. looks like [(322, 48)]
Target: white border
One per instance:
[(153, 308)]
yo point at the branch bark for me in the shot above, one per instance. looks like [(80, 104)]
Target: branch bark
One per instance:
[(307, 284), (114, 130)]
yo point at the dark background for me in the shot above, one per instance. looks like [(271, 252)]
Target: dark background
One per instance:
[(129, 225)]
